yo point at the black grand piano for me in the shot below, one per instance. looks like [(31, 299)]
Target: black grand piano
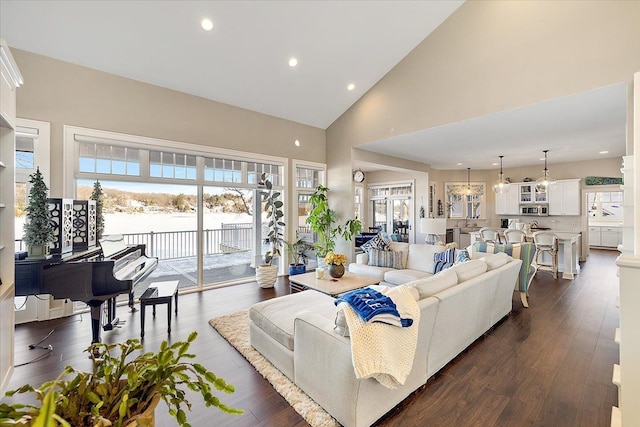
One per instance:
[(93, 276)]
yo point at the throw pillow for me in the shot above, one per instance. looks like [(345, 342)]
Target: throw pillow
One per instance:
[(443, 260), (435, 284), (463, 256), (380, 242), (387, 259)]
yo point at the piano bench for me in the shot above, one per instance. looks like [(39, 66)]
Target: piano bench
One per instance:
[(166, 291)]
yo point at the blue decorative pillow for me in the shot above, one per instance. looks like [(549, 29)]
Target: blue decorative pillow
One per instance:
[(443, 260), (379, 242), (463, 256)]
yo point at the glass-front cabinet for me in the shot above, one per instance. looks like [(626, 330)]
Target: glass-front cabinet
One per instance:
[(529, 194)]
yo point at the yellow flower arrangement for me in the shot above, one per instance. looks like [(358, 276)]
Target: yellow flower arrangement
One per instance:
[(333, 258)]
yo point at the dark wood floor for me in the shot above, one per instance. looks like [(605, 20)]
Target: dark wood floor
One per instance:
[(549, 365)]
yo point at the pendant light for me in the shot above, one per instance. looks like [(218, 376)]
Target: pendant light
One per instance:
[(469, 192), (501, 186), (545, 181)]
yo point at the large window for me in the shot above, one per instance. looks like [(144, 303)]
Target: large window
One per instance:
[(391, 207), (465, 200), (192, 206), (605, 205), (307, 178)]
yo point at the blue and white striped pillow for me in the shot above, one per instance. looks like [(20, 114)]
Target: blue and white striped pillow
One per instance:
[(443, 260), (387, 259)]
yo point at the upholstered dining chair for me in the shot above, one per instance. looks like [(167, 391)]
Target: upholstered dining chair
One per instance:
[(514, 236), (546, 246), (488, 234)]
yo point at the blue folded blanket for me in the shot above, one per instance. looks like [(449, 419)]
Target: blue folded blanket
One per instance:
[(373, 306)]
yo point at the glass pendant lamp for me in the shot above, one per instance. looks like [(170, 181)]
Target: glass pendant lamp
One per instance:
[(501, 186), (545, 181), (469, 192)]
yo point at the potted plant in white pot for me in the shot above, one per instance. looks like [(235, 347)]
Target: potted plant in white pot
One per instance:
[(38, 232), (322, 221), (298, 253), (122, 390), (267, 273)]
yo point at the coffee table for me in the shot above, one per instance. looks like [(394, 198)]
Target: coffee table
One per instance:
[(329, 285)]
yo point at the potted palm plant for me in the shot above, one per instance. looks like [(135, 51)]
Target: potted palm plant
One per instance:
[(298, 253), (267, 273), (121, 391), (322, 221)]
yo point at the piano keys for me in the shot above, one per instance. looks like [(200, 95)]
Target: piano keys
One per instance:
[(95, 276)]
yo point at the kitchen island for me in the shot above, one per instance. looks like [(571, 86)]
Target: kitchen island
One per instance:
[(568, 251)]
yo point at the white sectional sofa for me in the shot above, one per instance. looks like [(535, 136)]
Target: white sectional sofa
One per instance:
[(417, 261), (296, 333)]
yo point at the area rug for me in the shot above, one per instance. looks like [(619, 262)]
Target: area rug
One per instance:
[(235, 329)]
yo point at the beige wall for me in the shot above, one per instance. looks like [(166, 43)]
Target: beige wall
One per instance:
[(491, 56), (67, 94)]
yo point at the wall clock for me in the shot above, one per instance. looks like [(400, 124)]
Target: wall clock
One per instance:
[(358, 176)]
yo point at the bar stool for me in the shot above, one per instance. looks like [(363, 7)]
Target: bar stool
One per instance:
[(488, 234), (514, 236), (546, 243)]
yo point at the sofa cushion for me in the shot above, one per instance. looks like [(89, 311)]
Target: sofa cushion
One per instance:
[(383, 258), (400, 277), (368, 270), (276, 316), (421, 256), (443, 260), (432, 285), (496, 260), (470, 269)]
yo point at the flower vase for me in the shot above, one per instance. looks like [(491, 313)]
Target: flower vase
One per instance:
[(336, 271)]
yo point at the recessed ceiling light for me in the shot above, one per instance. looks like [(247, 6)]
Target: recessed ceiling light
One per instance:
[(604, 152), (206, 24), (495, 164), (293, 62), (458, 164), (297, 142), (351, 86), (541, 158)]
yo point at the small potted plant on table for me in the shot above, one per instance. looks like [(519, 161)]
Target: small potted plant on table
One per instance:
[(299, 257)]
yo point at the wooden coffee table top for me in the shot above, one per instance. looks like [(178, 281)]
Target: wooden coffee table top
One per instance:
[(331, 286)]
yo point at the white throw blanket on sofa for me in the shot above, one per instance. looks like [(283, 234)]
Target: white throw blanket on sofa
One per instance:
[(381, 351)]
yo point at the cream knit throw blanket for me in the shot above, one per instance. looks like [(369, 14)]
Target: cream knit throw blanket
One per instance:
[(381, 351)]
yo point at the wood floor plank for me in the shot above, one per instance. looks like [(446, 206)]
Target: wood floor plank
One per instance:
[(547, 365)]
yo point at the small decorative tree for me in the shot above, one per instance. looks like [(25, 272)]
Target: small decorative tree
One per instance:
[(38, 232), (98, 196)]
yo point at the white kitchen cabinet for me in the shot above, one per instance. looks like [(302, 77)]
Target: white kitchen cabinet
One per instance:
[(529, 194), (610, 237), (594, 236), (564, 197), (605, 236), (507, 203)]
